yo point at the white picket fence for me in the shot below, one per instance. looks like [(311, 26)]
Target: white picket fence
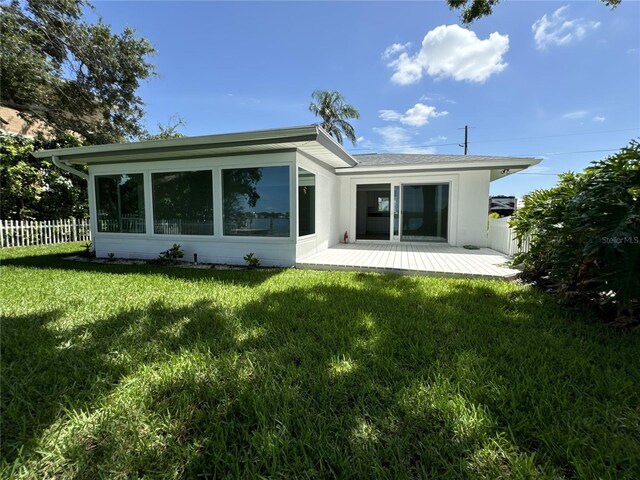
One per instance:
[(503, 239), (21, 233)]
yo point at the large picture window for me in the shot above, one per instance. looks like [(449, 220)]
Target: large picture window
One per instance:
[(120, 203), (183, 203), (256, 201), (306, 203)]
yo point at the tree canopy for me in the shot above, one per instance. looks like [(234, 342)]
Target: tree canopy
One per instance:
[(475, 9), (331, 107), (72, 75), (34, 189)]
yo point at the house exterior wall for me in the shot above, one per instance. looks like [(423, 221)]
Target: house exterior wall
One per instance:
[(473, 208), (327, 208), (335, 209), (468, 201), (217, 248)]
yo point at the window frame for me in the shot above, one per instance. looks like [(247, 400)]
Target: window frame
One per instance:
[(315, 204), (94, 186), (211, 169), (292, 197)]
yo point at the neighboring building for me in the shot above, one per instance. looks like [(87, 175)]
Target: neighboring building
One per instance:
[(12, 123), (283, 194), (502, 205)]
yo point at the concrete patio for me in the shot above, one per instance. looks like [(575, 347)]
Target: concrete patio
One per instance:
[(412, 258)]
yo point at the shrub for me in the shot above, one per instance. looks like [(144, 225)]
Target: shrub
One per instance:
[(251, 260), (174, 253), (88, 251), (585, 235)]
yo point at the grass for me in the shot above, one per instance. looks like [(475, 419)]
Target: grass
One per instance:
[(126, 371)]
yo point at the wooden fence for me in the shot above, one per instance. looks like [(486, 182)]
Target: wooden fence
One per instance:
[(20, 233), (503, 239)]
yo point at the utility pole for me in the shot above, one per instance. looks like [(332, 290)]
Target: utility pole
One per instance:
[(466, 139)]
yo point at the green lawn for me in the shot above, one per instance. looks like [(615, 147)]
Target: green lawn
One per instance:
[(128, 371)]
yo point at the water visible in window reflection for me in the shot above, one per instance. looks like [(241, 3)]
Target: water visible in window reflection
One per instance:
[(256, 201)]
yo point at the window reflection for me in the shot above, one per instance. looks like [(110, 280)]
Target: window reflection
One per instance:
[(120, 203), (425, 213), (256, 201), (306, 203), (183, 203)]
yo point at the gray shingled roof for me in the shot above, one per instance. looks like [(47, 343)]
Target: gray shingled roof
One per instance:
[(373, 159)]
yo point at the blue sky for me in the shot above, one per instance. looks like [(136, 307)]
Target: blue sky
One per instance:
[(555, 80)]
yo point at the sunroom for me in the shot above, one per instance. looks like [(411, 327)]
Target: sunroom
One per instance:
[(219, 197)]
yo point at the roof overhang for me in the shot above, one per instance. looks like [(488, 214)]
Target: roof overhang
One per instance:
[(310, 139), (498, 166)]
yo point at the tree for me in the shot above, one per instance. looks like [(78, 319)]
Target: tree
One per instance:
[(170, 130), (72, 75), (585, 236), (475, 9), (331, 107), (34, 189)]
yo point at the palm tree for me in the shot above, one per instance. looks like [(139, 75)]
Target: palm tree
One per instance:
[(331, 107)]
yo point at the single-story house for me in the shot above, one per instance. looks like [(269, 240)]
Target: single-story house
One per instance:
[(282, 194)]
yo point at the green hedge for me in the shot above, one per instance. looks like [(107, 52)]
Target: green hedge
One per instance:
[(585, 236)]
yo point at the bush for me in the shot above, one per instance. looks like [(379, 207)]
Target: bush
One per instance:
[(174, 253), (252, 260), (585, 236)]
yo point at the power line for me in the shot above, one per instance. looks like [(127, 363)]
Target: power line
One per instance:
[(558, 135), (427, 145), (565, 153)]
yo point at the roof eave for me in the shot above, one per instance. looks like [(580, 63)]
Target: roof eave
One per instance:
[(506, 163), (187, 145)]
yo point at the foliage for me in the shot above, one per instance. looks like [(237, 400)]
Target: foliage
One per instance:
[(240, 189), (474, 9), (251, 260), (585, 235), (72, 75), (331, 107), (135, 371), (167, 131), (174, 253), (35, 189), (88, 251)]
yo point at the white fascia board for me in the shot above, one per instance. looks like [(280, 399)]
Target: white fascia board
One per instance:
[(288, 138), (505, 163)]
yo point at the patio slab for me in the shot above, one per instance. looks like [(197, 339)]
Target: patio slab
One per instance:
[(412, 258)]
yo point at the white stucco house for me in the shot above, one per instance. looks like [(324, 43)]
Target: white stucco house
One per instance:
[(284, 194)]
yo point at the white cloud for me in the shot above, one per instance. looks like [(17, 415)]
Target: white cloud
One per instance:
[(452, 51), (389, 115), (577, 115), (598, 119), (397, 140), (437, 97), (416, 116), (392, 50), (558, 30), (393, 135), (439, 138)]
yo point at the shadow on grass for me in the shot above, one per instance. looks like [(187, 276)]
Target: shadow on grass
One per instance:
[(383, 377)]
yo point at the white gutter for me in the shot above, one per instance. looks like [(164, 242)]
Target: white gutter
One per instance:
[(69, 169)]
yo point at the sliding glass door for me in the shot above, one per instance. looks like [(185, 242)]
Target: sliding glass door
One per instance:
[(425, 213)]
